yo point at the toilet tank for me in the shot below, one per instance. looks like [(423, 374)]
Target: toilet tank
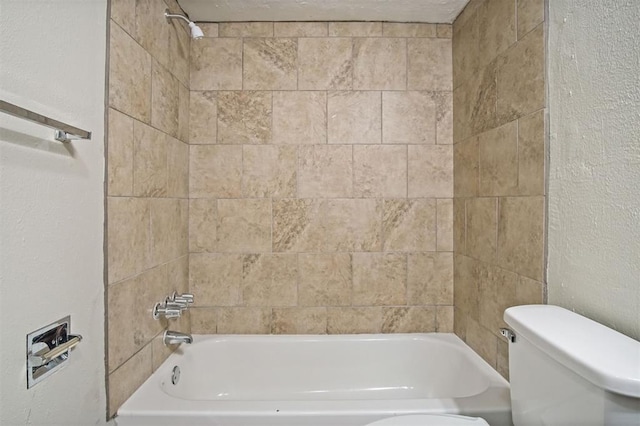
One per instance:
[(566, 369)]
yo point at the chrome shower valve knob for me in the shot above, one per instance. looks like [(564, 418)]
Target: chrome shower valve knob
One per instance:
[(166, 310)]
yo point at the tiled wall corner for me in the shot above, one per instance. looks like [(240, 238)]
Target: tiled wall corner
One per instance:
[(321, 178), (498, 157), (147, 186)]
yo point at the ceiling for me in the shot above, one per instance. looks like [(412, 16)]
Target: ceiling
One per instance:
[(434, 11)]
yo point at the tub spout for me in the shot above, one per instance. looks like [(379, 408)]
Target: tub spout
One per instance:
[(176, 338)]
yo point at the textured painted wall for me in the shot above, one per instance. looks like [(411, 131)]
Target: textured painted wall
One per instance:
[(594, 201), (52, 206), (499, 146), (147, 186), (321, 177)]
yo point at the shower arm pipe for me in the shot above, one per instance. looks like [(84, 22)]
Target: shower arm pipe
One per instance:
[(173, 15)]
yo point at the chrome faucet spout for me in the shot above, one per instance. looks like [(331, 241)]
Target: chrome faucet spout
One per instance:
[(175, 338)]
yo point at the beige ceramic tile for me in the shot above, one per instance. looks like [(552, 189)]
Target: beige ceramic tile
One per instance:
[(482, 341), (398, 29), (324, 279), (244, 321), (269, 171), (460, 323), (465, 290), (215, 279), (354, 117), (431, 171), (123, 12), (380, 171), (216, 64), (301, 29), (529, 292), (244, 225), (498, 160), (160, 352), (178, 274), (521, 236), (169, 229), (429, 64), (531, 154), (130, 328), (354, 320), (502, 363), (326, 225), (380, 64), (299, 118), (444, 216), (120, 154), (177, 168), (408, 118), (444, 30), (444, 117), (409, 225), (482, 222), (215, 171), (299, 321), (355, 29), (530, 14), (245, 29), (325, 63), (129, 75), (209, 29), (474, 104), (469, 11), (521, 77), (204, 320), (203, 117), (444, 319), (183, 113), (497, 289), (459, 226), (149, 161), (127, 237), (152, 30), (413, 319), (430, 279), (497, 28), (379, 279), (127, 379), (244, 117), (270, 64), (466, 169), (466, 52), (203, 220), (325, 171), (179, 51)]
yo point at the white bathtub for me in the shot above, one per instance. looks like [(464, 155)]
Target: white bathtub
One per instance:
[(318, 380)]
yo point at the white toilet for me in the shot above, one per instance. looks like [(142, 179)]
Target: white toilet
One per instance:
[(564, 369)]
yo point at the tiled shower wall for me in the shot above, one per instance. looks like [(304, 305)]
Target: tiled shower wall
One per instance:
[(147, 186), (321, 178), (499, 155)]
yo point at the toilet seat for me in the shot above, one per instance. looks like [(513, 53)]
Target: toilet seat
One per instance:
[(430, 420)]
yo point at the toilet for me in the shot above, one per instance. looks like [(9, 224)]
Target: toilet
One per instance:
[(564, 369)]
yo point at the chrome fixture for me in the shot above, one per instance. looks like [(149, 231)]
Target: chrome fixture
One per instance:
[(196, 32), (508, 334), (176, 338), (173, 306), (48, 348), (64, 132)]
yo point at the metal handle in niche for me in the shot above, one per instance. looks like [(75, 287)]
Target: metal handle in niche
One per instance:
[(45, 356)]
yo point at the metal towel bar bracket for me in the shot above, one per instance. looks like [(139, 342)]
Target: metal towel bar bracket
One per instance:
[(64, 132)]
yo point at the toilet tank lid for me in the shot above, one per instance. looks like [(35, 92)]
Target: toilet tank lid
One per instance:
[(603, 356)]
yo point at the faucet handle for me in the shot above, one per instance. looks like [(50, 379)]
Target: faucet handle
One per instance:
[(184, 298), (166, 310)]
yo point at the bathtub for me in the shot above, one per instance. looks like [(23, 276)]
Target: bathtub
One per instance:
[(317, 381)]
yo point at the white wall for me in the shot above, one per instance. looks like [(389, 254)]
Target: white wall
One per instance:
[(594, 182), (52, 60)]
